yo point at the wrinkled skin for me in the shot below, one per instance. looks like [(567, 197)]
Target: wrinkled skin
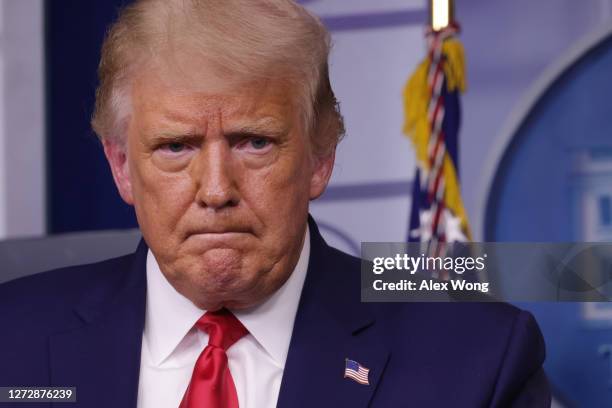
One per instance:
[(220, 181)]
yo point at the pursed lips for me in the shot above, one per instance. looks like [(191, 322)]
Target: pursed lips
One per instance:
[(219, 232)]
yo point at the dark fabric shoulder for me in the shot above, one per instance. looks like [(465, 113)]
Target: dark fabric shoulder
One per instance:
[(489, 342), (68, 303), (48, 298), (490, 314), (349, 262)]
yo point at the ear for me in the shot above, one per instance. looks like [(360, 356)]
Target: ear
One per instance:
[(323, 167), (116, 154)]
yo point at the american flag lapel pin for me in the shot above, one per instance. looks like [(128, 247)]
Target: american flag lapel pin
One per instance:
[(356, 372)]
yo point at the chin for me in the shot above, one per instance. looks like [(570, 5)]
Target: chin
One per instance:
[(232, 288), (222, 279), (221, 262), (225, 277)]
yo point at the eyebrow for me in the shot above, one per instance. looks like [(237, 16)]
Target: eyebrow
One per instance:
[(165, 138), (264, 126)]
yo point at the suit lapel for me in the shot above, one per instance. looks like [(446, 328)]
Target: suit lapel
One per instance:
[(331, 325), (102, 358)]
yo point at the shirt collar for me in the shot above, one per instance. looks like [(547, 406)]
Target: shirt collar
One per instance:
[(170, 316)]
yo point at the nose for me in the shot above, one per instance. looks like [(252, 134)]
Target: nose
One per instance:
[(215, 178)]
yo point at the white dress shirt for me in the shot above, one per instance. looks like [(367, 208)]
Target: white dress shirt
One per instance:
[(171, 344)]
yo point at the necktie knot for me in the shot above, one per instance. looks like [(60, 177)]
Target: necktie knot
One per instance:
[(211, 383), (223, 328)]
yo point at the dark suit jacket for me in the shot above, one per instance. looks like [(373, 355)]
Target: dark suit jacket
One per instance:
[(82, 326)]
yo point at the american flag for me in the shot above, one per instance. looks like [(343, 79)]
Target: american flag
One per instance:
[(433, 116), (357, 372), (437, 214)]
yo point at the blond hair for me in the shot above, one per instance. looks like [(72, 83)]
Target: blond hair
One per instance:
[(250, 40)]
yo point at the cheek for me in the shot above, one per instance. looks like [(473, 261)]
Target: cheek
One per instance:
[(279, 194), (160, 198)]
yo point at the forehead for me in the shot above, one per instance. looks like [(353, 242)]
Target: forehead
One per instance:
[(165, 98)]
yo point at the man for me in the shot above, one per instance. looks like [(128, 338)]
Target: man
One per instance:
[(219, 126)]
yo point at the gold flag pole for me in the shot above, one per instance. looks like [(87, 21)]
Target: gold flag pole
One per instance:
[(441, 13)]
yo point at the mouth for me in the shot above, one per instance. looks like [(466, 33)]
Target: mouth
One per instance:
[(219, 240), (225, 234), (218, 233)]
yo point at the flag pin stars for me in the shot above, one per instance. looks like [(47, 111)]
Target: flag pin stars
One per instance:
[(356, 372)]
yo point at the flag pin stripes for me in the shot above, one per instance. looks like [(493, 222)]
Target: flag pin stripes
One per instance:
[(356, 372)]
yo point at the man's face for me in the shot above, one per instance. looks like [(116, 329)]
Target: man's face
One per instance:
[(220, 181)]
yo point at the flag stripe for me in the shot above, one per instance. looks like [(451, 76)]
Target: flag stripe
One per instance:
[(360, 380), (356, 371), (435, 203)]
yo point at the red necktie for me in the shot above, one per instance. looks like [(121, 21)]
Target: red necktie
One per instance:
[(211, 384)]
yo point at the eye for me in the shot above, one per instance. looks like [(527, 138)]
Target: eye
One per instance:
[(259, 143), (255, 144), (175, 147)]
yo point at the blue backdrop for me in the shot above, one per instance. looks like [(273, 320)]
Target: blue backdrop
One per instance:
[(558, 162), (81, 194)]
